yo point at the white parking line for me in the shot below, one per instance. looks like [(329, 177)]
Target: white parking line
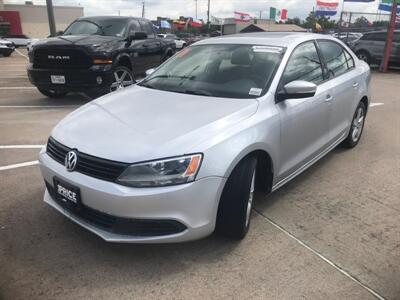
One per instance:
[(376, 104), (38, 106), (321, 256), (17, 88), (24, 164), (23, 55), (21, 146)]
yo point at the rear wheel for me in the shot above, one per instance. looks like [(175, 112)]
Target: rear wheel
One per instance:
[(357, 126), (364, 56), (234, 211), (52, 93)]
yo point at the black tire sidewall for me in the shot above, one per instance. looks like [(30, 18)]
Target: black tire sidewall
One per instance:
[(366, 54), (231, 217)]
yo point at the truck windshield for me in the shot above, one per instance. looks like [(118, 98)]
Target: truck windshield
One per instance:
[(99, 27), (219, 70)]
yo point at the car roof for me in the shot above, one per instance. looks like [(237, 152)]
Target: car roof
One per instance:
[(281, 39)]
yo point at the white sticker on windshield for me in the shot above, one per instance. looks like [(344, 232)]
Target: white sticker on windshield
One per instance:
[(255, 92), (268, 49)]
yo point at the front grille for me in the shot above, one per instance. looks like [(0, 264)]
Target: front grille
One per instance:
[(100, 168), (118, 225), (61, 59)]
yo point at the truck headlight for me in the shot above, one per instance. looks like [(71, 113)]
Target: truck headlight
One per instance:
[(164, 172)]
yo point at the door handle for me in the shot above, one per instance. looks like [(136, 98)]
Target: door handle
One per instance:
[(328, 98), (355, 84)]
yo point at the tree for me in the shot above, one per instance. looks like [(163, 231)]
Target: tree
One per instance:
[(325, 22), (295, 21)]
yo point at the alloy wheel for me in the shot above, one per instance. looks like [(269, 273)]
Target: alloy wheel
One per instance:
[(250, 200), (122, 79), (357, 125)]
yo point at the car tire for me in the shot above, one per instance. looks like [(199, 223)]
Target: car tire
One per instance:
[(234, 211), (357, 126), (364, 56), (122, 78), (7, 54), (52, 93)]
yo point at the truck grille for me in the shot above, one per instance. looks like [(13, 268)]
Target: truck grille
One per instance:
[(118, 225), (61, 58), (100, 168)]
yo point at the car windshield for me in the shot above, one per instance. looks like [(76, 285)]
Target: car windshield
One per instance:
[(220, 70), (99, 27)]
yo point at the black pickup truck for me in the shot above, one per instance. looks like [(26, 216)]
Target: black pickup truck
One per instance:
[(96, 55)]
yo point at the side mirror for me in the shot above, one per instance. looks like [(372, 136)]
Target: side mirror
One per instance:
[(58, 33), (139, 35), (296, 90), (149, 71)]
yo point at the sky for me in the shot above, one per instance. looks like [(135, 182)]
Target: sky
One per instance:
[(219, 8)]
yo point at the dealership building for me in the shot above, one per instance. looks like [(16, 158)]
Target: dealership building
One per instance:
[(32, 20)]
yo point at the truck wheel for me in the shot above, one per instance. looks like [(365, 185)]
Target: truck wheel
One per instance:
[(364, 56), (233, 219), (6, 54), (123, 78), (52, 93)]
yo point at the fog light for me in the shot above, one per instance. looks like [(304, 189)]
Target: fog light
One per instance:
[(99, 80)]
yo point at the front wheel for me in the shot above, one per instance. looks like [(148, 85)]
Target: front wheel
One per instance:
[(236, 203), (52, 93), (122, 78), (357, 126)]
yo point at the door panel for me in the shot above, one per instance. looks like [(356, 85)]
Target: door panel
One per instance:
[(345, 84), (304, 122), (304, 129)]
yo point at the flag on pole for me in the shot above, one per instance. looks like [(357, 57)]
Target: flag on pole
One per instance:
[(241, 17), (326, 8), (386, 5), (278, 14)]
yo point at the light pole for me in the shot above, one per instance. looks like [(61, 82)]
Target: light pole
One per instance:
[(208, 16), (50, 15), (143, 9), (196, 8)]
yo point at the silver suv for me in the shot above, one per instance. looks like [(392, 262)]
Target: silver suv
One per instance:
[(371, 46)]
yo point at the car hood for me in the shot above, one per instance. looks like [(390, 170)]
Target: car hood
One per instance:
[(138, 124), (89, 41)]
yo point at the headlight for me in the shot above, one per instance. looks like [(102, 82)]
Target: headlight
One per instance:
[(170, 171)]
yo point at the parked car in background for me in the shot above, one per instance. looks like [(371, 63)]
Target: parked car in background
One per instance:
[(18, 39), (348, 37), (179, 43), (181, 153), (371, 46), (189, 38), (96, 55), (6, 47)]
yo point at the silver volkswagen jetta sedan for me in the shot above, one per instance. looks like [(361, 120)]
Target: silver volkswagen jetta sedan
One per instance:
[(181, 153)]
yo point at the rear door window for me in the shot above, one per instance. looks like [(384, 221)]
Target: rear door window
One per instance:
[(335, 58)]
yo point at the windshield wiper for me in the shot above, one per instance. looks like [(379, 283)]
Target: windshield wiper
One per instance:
[(196, 92)]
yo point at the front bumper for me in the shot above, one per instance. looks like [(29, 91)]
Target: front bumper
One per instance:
[(193, 205), (76, 80)]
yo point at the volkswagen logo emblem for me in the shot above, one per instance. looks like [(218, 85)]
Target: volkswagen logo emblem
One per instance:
[(70, 161)]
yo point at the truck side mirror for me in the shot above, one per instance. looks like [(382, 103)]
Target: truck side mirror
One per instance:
[(139, 35)]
